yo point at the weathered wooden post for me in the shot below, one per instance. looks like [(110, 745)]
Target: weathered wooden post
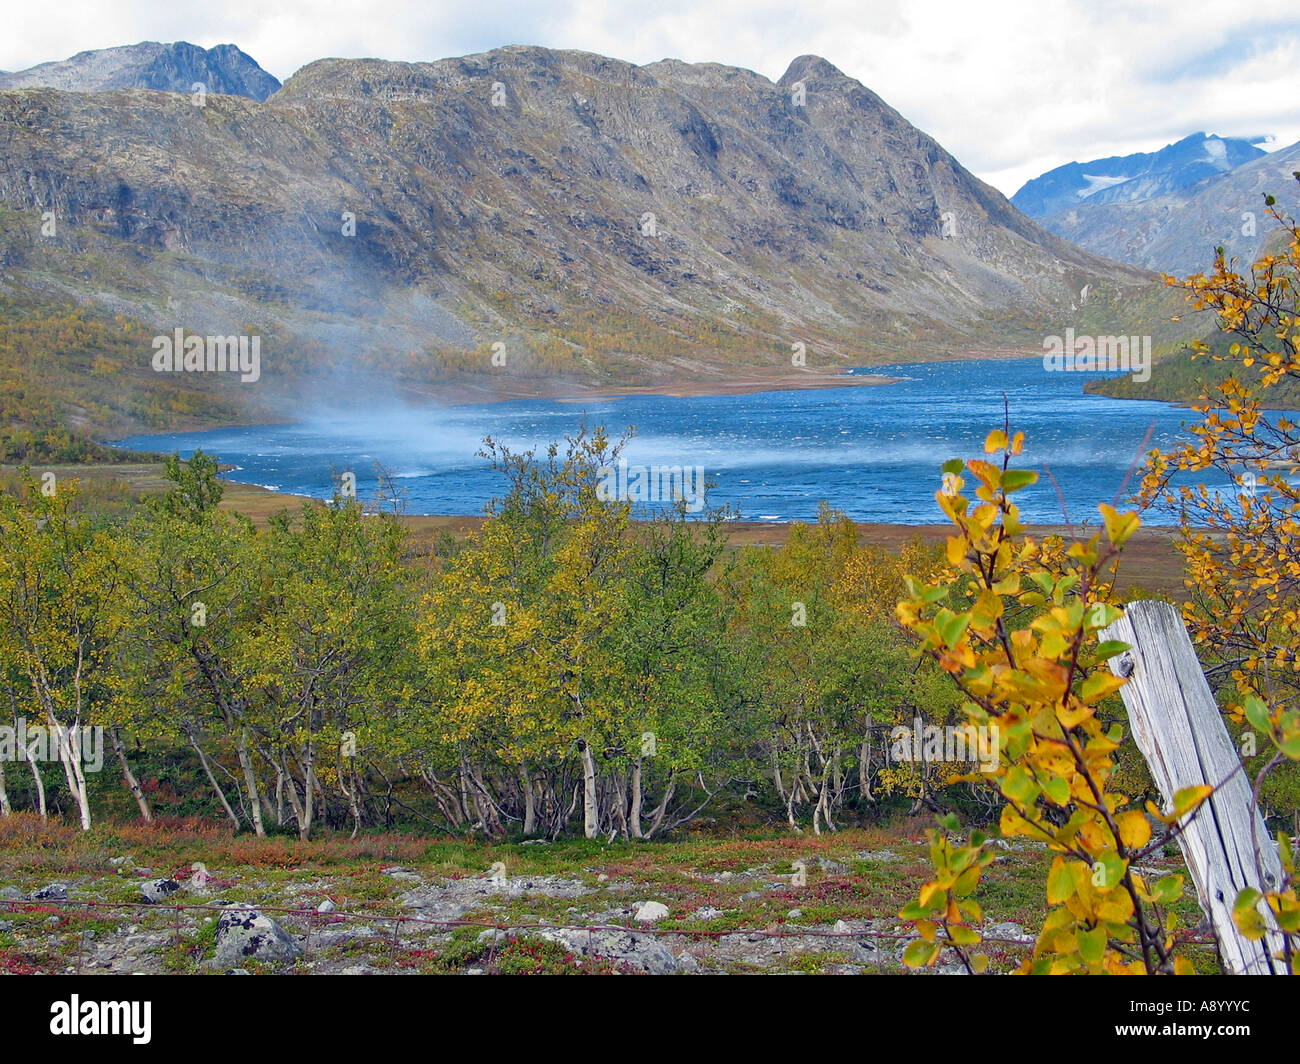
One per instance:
[(1181, 734)]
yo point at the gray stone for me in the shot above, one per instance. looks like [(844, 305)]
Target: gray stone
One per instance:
[(243, 932), (707, 913), (831, 867), (643, 952), (1008, 930), (687, 963), (51, 892), (12, 894), (326, 906), (651, 913), (794, 914), (155, 890)]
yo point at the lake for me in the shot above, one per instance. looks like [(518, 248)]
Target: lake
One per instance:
[(873, 452)]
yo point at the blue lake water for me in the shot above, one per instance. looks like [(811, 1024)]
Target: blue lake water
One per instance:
[(873, 452)]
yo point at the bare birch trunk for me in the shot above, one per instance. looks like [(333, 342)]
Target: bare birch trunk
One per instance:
[(250, 782), (590, 808), (128, 777), (40, 789), (530, 802), (212, 779), (634, 810)]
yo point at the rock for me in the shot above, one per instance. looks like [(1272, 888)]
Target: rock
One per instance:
[(326, 906), (831, 867), (238, 971), (357, 969), (602, 878), (473, 971), (1008, 930), (536, 842), (727, 875), (687, 963), (146, 872), (51, 892), (794, 914), (751, 895), (707, 913), (118, 862), (398, 872), (643, 952), (876, 855), (12, 894), (243, 932), (5, 925), (651, 913), (950, 969), (841, 928), (491, 934), (156, 890)]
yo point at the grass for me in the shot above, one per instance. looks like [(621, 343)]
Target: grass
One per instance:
[(745, 877)]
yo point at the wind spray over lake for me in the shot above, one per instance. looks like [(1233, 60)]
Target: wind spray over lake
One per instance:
[(874, 452)]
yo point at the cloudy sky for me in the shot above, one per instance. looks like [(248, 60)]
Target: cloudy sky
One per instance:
[(1011, 87)]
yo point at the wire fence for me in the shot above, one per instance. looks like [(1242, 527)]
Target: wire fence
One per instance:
[(315, 918)]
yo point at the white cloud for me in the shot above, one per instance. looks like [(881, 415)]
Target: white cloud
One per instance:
[(1011, 88)]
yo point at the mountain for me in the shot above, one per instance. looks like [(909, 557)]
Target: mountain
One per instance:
[(588, 216), (1133, 178), (1178, 231), (150, 65)]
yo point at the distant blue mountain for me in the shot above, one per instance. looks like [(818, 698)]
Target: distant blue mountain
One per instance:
[(150, 65), (1132, 178)]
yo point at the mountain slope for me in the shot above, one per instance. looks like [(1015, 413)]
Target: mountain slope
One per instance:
[(612, 221), (1133, 178), (150, 65), (1178, 232)]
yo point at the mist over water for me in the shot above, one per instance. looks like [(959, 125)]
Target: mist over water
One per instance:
[(873, 452)]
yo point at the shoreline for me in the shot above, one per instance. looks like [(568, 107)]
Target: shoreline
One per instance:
[(502, 388)]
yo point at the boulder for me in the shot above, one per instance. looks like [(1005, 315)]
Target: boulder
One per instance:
[(643, 952), (243, 933), (1008, 930), (155, 890), (51, 892), (651, 912)]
